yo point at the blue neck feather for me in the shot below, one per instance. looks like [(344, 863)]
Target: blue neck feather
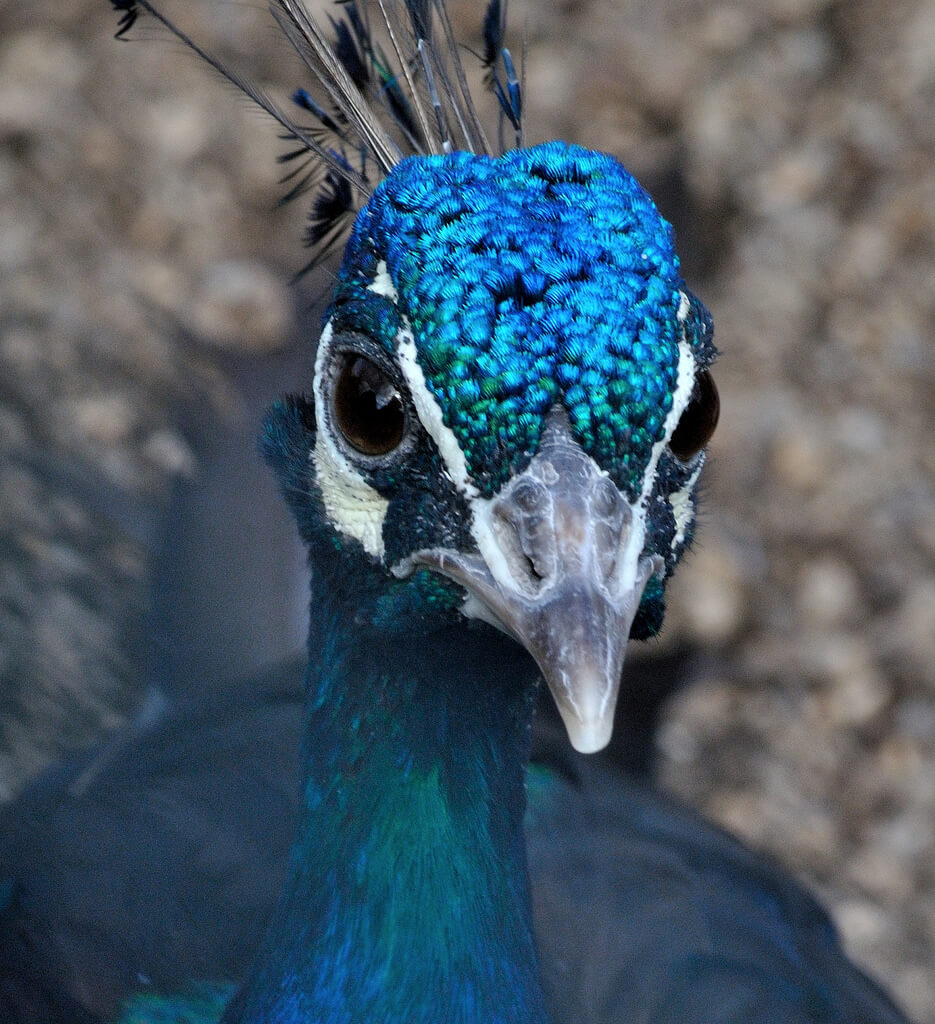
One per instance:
[(408, 896)]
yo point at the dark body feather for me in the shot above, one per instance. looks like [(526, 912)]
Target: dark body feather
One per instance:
[(164, 861), (167, 867), (164, 867), (646, 912)]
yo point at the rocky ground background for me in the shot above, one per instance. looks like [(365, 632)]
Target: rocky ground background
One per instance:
[(792, 143)]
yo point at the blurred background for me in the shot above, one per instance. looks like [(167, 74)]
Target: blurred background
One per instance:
[(146, 315)]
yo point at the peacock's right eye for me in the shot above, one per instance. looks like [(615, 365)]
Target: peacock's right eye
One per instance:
[(368, 408), (696, 425)]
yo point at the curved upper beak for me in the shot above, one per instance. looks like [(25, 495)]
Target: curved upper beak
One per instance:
[(560, 568)]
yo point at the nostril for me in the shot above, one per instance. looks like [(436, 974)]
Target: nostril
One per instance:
[(507, 529), (537, 545), (534, 574), (523, 535)]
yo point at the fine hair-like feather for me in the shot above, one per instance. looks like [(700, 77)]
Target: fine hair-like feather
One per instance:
[(384, 87)]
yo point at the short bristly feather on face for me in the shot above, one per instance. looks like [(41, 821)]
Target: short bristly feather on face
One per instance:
[(511, 402)]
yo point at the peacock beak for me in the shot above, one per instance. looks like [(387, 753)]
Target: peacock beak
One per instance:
[(560, 568)]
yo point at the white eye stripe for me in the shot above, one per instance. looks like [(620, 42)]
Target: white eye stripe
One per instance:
[(684, 386), (685, 383), (424, 402), (430, 414), (355, 509)]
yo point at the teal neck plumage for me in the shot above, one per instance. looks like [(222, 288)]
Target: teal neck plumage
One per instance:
[(408, 896)]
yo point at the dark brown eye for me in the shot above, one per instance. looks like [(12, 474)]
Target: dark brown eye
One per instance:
[(699, 419), (368, 408)]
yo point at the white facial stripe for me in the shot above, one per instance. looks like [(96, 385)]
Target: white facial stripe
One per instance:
[(430, 414), (383, 284), (684, 385), (426, 405), (353, 506), (682, 507)]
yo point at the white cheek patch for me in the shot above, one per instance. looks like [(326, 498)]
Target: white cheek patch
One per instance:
[(683, 507), (430, 414), (355, 509), (353, 506)]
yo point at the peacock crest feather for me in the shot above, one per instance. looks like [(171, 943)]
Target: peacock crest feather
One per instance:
[(389, 86)]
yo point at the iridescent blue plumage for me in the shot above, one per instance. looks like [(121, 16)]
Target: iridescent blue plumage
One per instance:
[(543, 276)]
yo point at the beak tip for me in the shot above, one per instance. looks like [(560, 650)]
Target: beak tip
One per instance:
[(591, 736)]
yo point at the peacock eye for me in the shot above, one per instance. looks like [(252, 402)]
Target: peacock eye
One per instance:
[(368, 408), (699, 419)]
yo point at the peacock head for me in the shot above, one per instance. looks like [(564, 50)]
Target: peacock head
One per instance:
[(509, 412)]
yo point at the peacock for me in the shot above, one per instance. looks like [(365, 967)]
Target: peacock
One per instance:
[(494, 469)]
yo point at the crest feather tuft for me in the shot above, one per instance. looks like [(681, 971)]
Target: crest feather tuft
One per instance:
[(384, 88)]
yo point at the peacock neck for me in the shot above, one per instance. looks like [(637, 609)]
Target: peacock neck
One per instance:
[(407, 898)]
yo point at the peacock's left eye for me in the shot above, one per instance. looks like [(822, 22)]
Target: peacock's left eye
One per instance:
[(699, 419), (368, 408)]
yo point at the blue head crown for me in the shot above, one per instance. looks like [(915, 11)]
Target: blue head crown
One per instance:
[(544, 276)]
